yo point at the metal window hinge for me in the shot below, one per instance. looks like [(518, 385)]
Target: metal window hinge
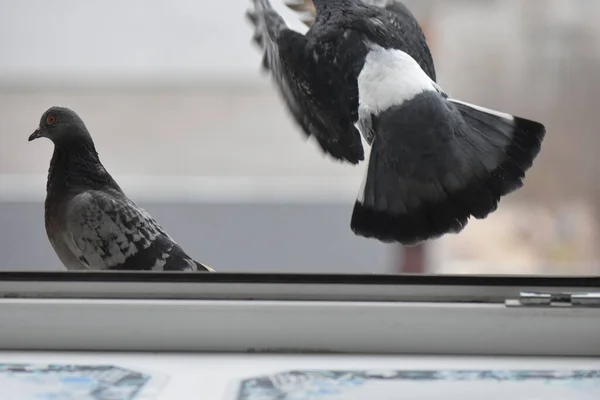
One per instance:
[(555, 300)]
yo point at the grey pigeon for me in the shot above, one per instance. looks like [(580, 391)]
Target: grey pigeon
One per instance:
[(90, 222), (365, 68)]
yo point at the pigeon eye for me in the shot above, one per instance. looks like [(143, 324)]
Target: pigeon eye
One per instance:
[(51, 119)]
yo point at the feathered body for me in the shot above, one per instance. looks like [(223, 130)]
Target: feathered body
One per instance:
[(90, 222), (367, 70)]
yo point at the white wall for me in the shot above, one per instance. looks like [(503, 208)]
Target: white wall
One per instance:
[(174, 40)]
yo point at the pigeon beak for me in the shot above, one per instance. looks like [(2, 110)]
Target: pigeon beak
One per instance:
[(36, 134)]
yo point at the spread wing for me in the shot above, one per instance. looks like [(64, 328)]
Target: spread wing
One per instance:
[(289, 58), (398, 24), (109, 231)]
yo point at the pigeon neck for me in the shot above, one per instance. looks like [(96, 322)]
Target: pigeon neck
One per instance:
[(75, 164)]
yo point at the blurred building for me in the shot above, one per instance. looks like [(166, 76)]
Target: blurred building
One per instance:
[(182, 117)]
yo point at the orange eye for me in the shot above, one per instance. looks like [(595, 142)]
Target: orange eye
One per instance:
[(51, 119)]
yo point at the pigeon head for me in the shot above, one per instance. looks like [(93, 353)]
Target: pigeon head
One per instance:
[(61, 125)]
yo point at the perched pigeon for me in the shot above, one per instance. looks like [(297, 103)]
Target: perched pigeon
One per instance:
[(366, 69), (90, 222)]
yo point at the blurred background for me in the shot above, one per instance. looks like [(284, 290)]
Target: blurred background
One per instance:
[(185, 122)]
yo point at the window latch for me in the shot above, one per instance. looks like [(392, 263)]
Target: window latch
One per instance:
[(555, 300)]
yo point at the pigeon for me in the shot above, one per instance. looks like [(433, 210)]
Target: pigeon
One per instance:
[(90, 222), (364, 68)]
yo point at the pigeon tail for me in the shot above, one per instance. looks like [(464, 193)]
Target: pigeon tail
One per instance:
[(449, 161)]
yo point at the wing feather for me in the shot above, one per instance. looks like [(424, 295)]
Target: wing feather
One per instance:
[(408, 29), (108, 231), (288, 57)]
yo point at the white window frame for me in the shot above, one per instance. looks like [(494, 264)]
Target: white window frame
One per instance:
[(293, 313)]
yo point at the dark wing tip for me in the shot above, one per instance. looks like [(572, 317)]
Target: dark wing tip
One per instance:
[(350, 151), (408, 229), (527, 141), (526, 145), (534, 129), (251, 17), (265, 63), (258, 39)]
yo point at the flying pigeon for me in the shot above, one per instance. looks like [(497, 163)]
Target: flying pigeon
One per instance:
[(90, 222), (365, 68)]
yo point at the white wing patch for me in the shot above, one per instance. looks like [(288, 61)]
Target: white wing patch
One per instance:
[(389, 78)]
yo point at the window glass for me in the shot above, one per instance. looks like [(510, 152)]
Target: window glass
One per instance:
[(193, 132)]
